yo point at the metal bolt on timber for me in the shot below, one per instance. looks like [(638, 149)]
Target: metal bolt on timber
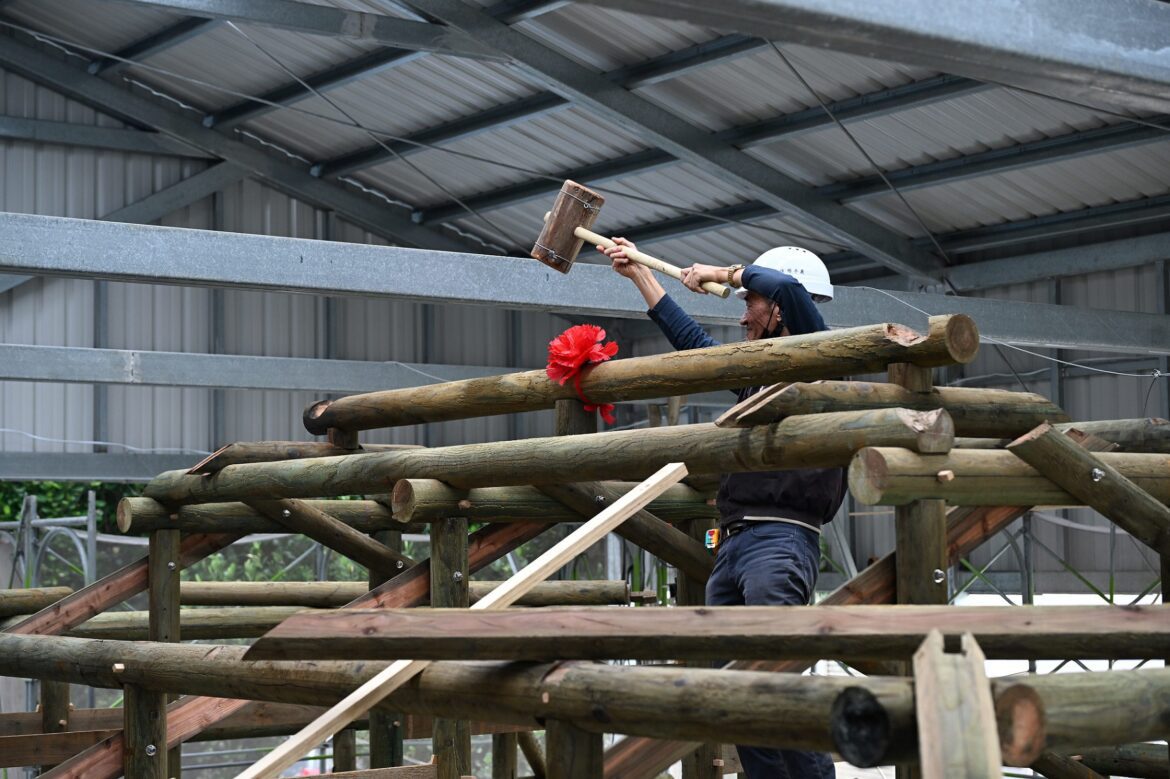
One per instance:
[(171, 565), (939, 576), (457, 576), (151, 750), (1097, 474)]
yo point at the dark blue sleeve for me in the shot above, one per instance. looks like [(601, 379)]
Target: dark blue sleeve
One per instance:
[(800, 312), (680, 329)]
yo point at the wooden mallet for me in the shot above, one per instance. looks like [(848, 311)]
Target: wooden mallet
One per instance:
[(566, 229)]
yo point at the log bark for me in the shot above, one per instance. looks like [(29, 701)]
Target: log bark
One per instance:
[(1097, 484), (325, 595), (988, 413), (820, 440), (271, 451), (655, 701), (889, 476), (423, 500), (719, 632), (532, 753), (145, 515), (1054, 766), (951, 339), (29, 600)]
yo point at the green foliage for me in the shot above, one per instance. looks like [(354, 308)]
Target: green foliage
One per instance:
[(65, 499)]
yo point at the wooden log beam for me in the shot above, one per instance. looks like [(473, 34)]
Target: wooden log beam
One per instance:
[(144, 745), (272, 451), (1138, 707), (401, 672), (983, 413), (890, 476), (573, 753), (29, 600), (450, 738), (957, 732), (719, 632), (1145, 761), (656, 701), (394, 772), (325, 595), (145, 515), (111, 590), (1097, 484), (1146, 435), (303, 517), (532, 753), (424, 500), (951, 339), (820, 440), (1054, 766)]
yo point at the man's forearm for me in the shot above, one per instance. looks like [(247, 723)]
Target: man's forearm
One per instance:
[(651, 290)]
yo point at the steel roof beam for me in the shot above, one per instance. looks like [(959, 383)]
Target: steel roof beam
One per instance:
[(166, 201), (650, 72), (277, 172), (89, 249), (347, 72), (593, 92), (1111, 216), (293, 91), (1061, 148), (15, 128), (862, 107), (327, 20), (1107, 54), (169, 37)]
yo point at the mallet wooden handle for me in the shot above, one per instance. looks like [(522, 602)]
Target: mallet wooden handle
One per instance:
[(650, 262)]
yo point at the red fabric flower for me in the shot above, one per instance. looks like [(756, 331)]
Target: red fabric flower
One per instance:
[(571, 351)]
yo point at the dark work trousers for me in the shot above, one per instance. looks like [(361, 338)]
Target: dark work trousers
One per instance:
[(770, 564)]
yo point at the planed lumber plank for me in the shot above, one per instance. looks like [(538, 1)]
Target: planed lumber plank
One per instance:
[(856, 632), (957, 732), (364, 698), (48, 748)]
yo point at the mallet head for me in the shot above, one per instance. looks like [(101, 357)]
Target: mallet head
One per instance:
[(575, 206)]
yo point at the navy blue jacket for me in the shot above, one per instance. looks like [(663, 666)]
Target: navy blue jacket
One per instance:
[(809, 495)]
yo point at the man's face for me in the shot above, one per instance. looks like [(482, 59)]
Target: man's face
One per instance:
[(760, 315)]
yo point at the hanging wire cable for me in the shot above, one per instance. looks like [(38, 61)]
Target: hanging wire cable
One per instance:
[(917, 217), (60, 42), (492, 227), (80, 442)]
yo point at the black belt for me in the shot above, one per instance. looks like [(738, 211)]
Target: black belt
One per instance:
[(735, 527)]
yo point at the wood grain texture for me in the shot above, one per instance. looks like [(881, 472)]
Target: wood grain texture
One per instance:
[(950, 340), (32, 599), (47, 749), (718, 632), (270, 451), (957, 731), (819, 440)]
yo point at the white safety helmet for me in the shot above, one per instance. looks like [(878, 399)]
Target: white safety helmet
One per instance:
[(800, 264)]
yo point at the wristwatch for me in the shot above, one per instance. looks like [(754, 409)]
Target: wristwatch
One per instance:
[(731, 270)]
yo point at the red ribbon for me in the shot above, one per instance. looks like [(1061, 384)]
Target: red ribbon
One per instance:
[(571, 352)]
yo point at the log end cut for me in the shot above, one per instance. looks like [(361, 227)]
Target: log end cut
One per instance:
[(313, 417), (935, 429), (860, 727), (868, 472), (1022, 730)]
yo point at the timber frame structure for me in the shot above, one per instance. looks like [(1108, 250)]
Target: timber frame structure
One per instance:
[(958, 464)]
